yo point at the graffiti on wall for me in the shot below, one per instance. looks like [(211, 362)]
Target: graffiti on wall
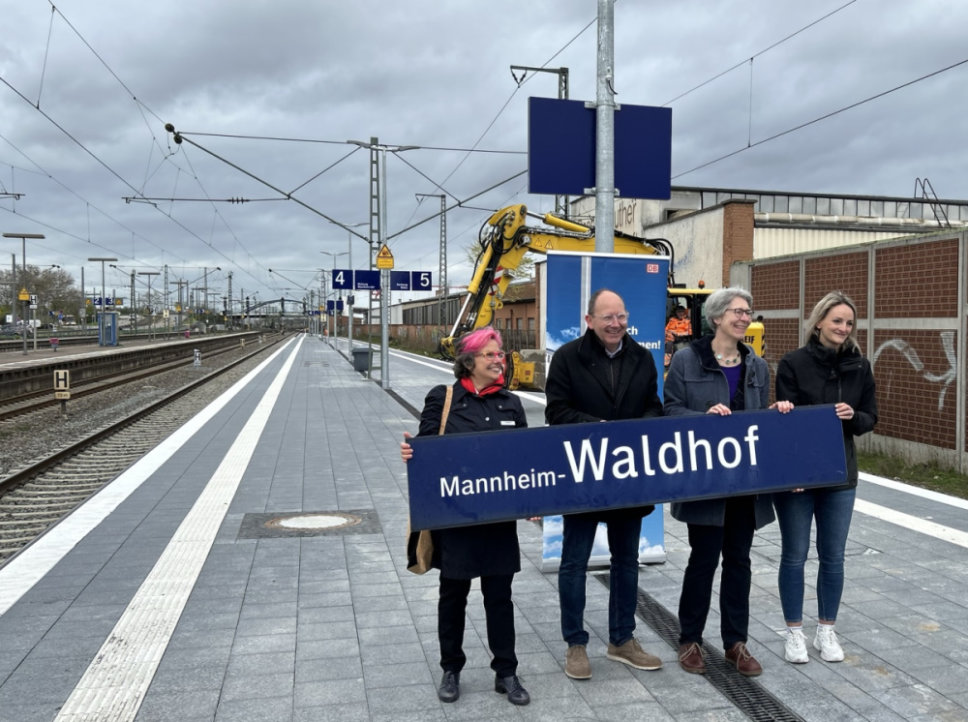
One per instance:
[(911, 355)]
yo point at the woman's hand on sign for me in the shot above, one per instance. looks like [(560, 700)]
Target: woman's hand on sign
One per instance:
[(406, 451)]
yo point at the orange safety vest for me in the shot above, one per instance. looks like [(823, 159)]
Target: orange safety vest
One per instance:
[(677, 327)]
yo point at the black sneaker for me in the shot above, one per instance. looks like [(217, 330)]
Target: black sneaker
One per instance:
[(449, 689), (511, 686)]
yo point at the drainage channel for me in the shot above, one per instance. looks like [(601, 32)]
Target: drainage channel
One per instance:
[(748, 696)]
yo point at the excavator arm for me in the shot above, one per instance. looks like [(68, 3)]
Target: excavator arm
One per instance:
[(505, 238)]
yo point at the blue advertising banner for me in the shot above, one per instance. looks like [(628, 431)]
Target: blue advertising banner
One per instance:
[(641, 282), (463, 479)]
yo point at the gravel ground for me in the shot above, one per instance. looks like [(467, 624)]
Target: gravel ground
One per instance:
[(29, 438)]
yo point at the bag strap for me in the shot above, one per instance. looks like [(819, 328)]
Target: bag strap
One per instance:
[(446, 411)]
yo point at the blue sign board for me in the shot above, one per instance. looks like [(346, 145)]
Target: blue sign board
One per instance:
[(411, 281), (342, 278), (561, 149), (459, 479), (366, 280)]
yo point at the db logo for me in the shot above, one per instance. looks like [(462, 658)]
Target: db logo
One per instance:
[(651, 267)]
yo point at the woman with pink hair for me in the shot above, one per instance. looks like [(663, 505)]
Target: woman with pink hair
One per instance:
[(479, 403)]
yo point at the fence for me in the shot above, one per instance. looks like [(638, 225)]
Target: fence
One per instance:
[(911, 300)]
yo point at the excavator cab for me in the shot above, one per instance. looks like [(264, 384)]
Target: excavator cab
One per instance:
[(694, 300)]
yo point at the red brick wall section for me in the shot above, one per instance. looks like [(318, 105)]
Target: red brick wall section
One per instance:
[(737, 234), (845, 272), (911, 405), (920, 279), (775, 285)]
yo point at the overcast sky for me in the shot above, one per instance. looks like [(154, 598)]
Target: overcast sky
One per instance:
[(276, 88)]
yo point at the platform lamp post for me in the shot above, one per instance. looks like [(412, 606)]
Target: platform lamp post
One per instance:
[(23, 257), (149, 274), (100, 317), (333, 257), (349, 296)]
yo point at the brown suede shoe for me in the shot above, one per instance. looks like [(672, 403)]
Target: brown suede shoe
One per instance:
[(739, 656), (691, 659)]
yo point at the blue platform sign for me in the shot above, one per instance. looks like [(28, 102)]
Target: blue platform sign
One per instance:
[(643, 149), (366, 280), (411, 281), (461, 479), (342, 278)]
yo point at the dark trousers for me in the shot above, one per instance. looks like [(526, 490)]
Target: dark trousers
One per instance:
[(498, 611), (733, 542)]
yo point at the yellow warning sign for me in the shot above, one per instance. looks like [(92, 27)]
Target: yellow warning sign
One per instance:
[(384, 259), (25, 295)]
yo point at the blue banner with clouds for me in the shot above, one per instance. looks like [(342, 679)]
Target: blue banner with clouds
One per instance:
[(461, 479)]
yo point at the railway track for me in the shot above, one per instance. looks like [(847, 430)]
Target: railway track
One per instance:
[(36, 400), (37, 496)]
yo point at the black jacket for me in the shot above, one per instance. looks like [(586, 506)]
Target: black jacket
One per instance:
[(814, 374), (484, 549), (584, 384)]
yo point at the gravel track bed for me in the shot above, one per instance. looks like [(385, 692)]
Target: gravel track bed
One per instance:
[(32, 437)]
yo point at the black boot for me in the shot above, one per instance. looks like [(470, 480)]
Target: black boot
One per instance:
[(449, 689), (511, 686)]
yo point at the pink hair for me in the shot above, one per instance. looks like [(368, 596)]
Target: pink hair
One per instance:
[(476, 340)]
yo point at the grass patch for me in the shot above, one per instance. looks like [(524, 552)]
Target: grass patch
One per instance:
[(927, 476)]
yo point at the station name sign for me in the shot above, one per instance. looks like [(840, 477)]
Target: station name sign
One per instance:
[(462, 479)]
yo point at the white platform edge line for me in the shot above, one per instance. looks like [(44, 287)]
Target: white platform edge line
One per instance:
[(914, 523), (115, 683)]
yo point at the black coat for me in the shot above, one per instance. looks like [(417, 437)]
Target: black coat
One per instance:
[(484, 549), (585, 385), (814, 374)]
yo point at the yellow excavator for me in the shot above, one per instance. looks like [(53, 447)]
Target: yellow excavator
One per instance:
[(505, 238)]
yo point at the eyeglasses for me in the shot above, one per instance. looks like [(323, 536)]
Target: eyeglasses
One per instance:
[(492, 356), (741, 312), (614, 317)]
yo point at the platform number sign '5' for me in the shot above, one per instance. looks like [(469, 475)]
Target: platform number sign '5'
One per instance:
[(422, 281)]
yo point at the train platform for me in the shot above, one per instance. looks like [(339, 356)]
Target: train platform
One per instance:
[(253, 567)]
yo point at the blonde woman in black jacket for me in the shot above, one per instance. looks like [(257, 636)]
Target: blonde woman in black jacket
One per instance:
[(827, 369)]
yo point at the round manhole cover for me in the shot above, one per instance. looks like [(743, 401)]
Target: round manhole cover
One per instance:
[(309, 522)]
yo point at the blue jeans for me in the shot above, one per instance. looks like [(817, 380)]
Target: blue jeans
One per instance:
[(623, 546), (795, 512)]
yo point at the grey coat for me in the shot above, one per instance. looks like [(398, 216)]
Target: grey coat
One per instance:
[(694, 384)]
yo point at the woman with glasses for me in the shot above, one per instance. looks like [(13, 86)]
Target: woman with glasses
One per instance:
[(827, 369), (479, 402), (718, 374)]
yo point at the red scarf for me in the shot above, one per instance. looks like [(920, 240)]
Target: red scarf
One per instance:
[(492, 389)]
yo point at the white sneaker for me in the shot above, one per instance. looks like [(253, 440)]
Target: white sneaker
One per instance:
[(826, 643), (795, 649)]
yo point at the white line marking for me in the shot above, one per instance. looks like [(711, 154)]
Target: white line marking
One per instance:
[(115, 683), (914, 523)]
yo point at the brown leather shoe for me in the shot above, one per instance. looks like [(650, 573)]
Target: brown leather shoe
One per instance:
[(739, 656), (691, 659)]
